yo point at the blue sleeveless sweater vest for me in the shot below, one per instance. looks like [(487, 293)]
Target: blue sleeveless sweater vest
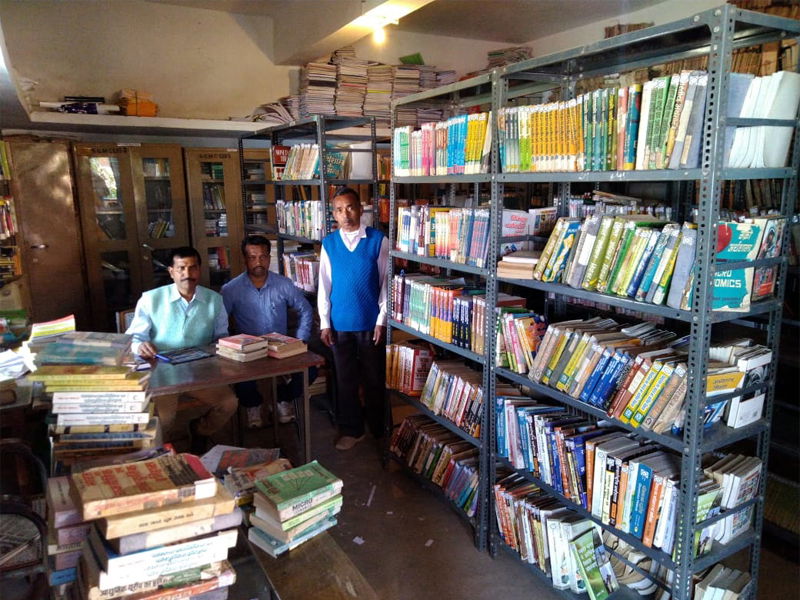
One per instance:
[(355, 281)]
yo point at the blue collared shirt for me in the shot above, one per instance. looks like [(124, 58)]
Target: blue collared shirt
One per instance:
[(166, 319), (260, 311)]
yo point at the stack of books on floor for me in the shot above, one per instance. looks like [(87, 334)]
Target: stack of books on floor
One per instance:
[(160, 524), (242, 347), (97, 410), (317, 89), (293, 506), (441, 457)]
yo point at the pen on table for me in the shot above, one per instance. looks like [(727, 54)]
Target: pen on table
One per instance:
[(162, 358)]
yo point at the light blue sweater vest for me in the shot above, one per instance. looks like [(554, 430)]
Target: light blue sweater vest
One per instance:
[(174, 328)]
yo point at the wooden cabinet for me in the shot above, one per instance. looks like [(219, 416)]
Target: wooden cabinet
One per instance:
[(133, 212), (259, 194), (215, 203), (50, 236)]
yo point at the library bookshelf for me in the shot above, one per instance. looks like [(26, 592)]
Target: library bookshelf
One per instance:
[(332, 135), (695, 194)]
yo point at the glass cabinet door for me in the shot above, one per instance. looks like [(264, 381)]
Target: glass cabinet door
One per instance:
[(109, 222), (215, 203), (162, 212), (259, 197)]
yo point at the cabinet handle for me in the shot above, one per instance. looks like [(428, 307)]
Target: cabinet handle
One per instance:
[(147, 247), (38, 246)]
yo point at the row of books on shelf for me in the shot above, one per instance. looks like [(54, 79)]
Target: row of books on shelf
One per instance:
[(462, 234), (301, 218), (460, 145), (655, 125), (600, 202), (624, 483), (8, 219), (650, 260), (441, 457), (638, 374), (303, 269), (213, 197)]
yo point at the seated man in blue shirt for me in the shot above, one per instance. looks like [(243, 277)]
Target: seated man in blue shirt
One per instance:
[(258, 301), (180, 315)]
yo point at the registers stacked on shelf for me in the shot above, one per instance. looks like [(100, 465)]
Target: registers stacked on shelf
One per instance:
[(96, 411), (159, 524), (638, 373), (378, 99), (242, 347), (351, 82), (317, 89), (519, 264), (303, 219), (405, 81), (458, 146), (723, 582), (441, 457), (302, 267), (293, 506), (407, 367)]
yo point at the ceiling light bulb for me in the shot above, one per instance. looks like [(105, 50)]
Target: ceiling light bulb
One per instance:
[(379, 35)]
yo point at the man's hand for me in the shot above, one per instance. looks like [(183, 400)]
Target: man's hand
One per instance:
[(147, 350), (377, 335), (326, 335)]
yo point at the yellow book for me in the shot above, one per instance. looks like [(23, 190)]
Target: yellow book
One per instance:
[(549, 248)]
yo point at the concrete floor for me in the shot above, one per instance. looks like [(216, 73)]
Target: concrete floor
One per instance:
[(409, 544)]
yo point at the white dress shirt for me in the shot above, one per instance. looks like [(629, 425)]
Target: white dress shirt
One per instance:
[(351, 240)]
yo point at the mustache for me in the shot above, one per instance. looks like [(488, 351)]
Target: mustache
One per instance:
[(188, 279)]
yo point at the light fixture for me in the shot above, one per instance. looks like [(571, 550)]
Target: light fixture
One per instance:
[(379, 34)]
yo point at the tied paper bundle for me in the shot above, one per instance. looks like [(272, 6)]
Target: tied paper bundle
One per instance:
[(135, 103)]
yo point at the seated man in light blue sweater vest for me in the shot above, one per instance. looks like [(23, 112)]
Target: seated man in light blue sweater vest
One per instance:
[(181, 315), (352, 311)]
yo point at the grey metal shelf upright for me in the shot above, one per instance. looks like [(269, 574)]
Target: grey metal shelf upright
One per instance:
[(325, 131), (714, 33)]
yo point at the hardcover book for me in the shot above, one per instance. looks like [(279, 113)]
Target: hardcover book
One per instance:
[(296, 490)]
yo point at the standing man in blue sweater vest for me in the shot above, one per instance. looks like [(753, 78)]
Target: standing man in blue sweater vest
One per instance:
[(180, 315), (352, 310)]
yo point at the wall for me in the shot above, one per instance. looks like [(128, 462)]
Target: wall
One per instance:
[(671, 10), (197, 63), (460, 54)]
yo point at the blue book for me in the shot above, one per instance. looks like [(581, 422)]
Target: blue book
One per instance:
[(591, 382), (602, 383), (275, 547), (577, 445), (652, 264), (638, 274), (641, 497), (621, 367)]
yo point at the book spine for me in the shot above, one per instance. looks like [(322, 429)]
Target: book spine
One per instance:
[(641, 498)]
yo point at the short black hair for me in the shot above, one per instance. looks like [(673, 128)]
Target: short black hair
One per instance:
[(184, 252), (346, 191), (256, 240)]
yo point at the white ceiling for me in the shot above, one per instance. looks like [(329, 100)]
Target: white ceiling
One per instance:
[(504, 21)]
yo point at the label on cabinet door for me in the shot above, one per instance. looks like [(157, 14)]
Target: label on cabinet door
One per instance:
[(212, 155), (130, 144)]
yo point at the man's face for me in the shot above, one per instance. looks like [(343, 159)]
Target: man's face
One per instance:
[(257, 259), (347, 212), (185, 272)]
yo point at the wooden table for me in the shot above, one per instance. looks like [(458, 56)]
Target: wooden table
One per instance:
[(169, 379)]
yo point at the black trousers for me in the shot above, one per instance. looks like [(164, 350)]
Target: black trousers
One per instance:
[(249, 396), (359, 361)]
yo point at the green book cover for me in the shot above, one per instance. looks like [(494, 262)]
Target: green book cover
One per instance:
[(666, 122), (610, 254), (658, 100), (628, 236), (598, 252), (294, 491), (588, 118), (593, 563)]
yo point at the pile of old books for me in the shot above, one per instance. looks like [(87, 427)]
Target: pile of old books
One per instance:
[(317, 89), (244, 347), (97, 410), (351, 82), (159, 524), (293, 506), (378, 99), (85, 347)]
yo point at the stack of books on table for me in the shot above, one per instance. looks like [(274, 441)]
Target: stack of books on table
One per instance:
[(283, 346), (160, 524), (97, 410), (293, 506), (242, 347)]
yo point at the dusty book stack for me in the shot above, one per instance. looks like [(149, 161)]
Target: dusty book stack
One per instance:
[(158, 524), (294, 506), (97, 410)]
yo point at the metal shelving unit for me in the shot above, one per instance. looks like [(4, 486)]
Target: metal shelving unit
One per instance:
[(714, 33), (325, 131)]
